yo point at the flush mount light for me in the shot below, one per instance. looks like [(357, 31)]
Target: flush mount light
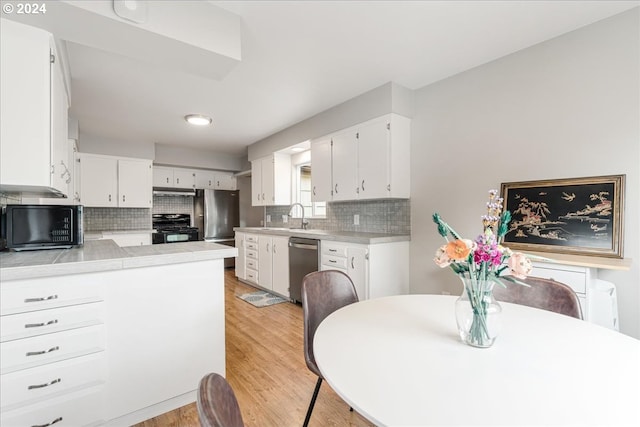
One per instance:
[(198, 119)]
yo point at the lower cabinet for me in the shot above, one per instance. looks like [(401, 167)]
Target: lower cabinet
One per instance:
[(376, 270), (263, 260), (241, 272)]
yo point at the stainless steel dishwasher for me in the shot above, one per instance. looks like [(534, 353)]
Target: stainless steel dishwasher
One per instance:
[(303, 259)]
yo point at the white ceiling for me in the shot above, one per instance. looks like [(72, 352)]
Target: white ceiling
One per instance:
[(302, 57)]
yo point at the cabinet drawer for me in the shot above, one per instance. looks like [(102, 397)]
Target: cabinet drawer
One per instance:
[(20, 296), (253, 246), (81, 408), (577, 280), (334, 261), (252, 253), (31, 385), (252, 239), (252, 263), (329, 267), (333, 249), (252, 276), (23, 325), (36, 351)]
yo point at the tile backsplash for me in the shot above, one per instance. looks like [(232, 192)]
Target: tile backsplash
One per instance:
[(392, 216), (110, 219), (173, 204)]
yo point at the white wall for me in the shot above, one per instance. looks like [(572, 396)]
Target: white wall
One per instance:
[(112, 147), (565, 108), (192, 157)]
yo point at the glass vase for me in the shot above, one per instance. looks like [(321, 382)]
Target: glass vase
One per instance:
[(478, 313)]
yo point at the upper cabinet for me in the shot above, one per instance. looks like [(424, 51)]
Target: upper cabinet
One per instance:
[(107, 181), (271, 180), (210, 180), (367, 161), (173, 177), (33, 114)]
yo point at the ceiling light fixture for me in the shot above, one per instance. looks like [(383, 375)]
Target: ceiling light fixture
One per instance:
[(198, 119)]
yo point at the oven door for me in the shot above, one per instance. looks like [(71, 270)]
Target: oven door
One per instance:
[(172, 237)]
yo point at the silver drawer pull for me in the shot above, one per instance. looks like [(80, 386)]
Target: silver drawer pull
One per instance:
[(56, 381), (37, 325), (333, 250), (49, 298), (38, 353), (333, 261), (57, 420)]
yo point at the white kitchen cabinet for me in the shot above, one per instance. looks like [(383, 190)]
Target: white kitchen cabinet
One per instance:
[(321, 180), (128, 239), (367, 161), (210, 180), (376, 270), (265, 262), (33, 112), (271, 180), (169, 177), (280, 265), (52, 346), (240, 259), (345, 165), (108, 181)]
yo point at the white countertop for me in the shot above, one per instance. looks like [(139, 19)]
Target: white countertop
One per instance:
[(338, 236), (399, 361), (104, 255), (102, 234)]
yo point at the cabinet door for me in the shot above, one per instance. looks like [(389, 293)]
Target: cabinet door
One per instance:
[(25, 133), (257, 197), (225, 182), (265, 260), (373, 160), (60, 166), (357, 267), (134, 183), (268, 180), (240, 259), (280, 265), (345, 165), (205, 180), (162, 176), (99, 176), (184, 178), (321, 170)]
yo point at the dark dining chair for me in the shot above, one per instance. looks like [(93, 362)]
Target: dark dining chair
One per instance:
[(545, 294), (217, 404), (323, 292)]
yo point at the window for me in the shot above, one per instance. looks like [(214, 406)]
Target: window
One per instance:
[(303, 194)]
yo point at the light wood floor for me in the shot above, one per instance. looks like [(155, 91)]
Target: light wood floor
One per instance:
[(266, 368)]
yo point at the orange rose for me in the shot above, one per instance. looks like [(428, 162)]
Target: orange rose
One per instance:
[(457, 250)]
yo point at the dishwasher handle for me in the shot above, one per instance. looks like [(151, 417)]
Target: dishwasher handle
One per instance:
[(303, 246)]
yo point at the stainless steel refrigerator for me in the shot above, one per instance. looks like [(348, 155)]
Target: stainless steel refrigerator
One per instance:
[(216, 213)]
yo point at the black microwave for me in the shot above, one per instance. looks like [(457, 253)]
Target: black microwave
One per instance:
[(30, 227)]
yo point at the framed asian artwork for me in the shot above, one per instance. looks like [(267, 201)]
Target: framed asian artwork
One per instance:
[(582, 216)]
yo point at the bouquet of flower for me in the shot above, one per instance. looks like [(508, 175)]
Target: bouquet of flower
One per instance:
[(484, 258), (480, 263)]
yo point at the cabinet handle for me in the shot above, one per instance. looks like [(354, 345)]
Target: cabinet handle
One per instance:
[(333, 261), (123, 197), (314, 190), (217, 183), (57, 420), (109, 197), (38, 325), (167, 180), (38, 353), (36, 386), (352, 266), (274, 248), (209, 183), (336, 188), (50, 297), (262, 196), (333, 250), (177, 180), (363, 185), (389, 187), (267, 247)]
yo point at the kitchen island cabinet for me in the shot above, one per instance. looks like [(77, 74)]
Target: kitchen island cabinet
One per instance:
[(147, 323)]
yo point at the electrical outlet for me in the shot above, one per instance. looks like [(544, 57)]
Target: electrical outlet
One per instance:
[(285, 218), (356, 219), (268, 218)]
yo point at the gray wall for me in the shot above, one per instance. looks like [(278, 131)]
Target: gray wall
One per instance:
[(565, 108), (388, 98)]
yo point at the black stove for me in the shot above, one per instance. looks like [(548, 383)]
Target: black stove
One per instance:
[(173, 228)]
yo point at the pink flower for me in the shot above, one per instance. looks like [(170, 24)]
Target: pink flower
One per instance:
[(519, 265)]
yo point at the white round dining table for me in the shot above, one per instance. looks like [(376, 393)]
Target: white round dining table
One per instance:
[(399, 361)]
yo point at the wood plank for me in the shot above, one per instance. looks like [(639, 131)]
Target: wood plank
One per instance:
[(266, 368)]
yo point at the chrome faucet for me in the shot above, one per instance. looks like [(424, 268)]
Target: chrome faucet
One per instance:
[(303, 222)]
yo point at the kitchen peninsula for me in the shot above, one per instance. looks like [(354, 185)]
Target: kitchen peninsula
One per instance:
[(102, 328)]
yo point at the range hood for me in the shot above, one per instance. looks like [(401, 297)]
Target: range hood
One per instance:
[(31, 191), (164, 191)]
